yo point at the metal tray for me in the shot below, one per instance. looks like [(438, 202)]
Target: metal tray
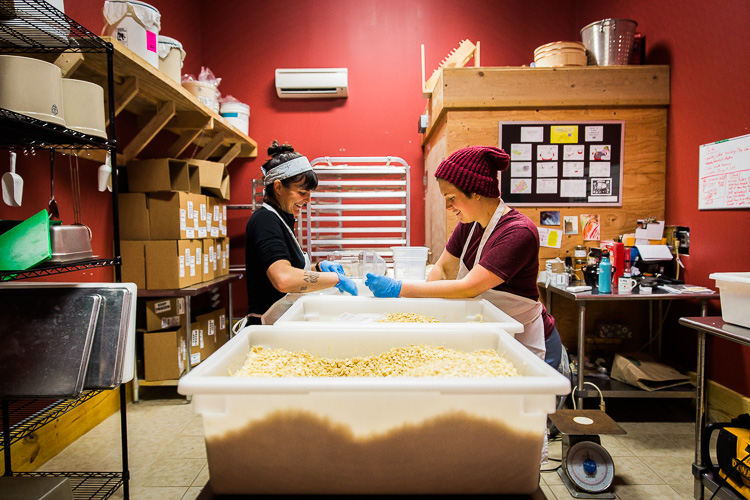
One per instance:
[(70, 243), (45, 342)]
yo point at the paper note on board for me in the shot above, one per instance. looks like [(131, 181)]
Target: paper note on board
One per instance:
[(549, 237)]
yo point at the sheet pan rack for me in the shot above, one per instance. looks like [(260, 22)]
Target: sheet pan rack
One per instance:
[(361, 203)]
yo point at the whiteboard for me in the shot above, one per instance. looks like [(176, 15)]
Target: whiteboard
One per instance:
[(724, 170)]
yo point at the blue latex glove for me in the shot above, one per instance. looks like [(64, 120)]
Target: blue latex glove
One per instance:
[(327, 266), (346, 284), (383, 286)]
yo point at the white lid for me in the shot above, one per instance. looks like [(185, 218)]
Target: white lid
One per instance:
[(733, 277), (166, 44)]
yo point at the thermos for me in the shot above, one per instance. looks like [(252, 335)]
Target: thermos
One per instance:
[(605, 274)]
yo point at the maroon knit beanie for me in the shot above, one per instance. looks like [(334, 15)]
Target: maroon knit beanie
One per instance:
[(474, 169)]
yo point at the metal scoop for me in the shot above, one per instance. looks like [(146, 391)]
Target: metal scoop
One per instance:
[(54, 213), (12, 184)]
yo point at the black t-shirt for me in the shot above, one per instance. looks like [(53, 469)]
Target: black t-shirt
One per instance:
[(267, 241)]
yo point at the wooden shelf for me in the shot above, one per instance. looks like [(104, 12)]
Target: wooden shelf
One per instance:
[(160, 104), (509, 88)]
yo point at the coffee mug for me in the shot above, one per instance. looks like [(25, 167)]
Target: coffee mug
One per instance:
[(625, 285)]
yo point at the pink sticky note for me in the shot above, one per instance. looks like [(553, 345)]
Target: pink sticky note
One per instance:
[(151, 41)]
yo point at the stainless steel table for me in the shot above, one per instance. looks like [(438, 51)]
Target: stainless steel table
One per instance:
[(717, 327), (583, 298)]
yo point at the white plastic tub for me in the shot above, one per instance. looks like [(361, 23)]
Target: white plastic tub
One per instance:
[(171, 57), (346, 309), (735, 297), (237, 114), (360, 435), (409, 262), (134, 24)]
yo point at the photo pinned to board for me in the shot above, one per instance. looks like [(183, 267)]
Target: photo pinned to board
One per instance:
[(591, 227), (549, 217), (570, 224)]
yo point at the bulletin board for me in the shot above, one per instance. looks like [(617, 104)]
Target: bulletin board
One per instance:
[(724, 173), (562, 163)]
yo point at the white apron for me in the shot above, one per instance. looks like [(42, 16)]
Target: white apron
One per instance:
[(524, 310), (241, 324)]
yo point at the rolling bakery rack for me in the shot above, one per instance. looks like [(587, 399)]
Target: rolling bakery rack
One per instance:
[(361, 203), (36, 28)]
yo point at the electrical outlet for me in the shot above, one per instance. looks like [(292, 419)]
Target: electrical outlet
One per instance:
[(679, 236)]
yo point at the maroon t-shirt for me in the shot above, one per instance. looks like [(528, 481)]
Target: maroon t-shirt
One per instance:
[(511, 253)]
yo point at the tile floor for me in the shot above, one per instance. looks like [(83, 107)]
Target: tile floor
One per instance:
[(168, 458)]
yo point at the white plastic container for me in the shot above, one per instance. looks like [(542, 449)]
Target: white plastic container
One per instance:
[(366, 435), (735, 297), (32, 87), (207, 93), (237, 114), (171, 57), (409, 262), (346, 309), (134, 24), (84, 107)]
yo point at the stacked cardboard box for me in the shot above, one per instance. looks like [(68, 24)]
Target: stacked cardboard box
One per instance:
[(165, 349), (173, 223)]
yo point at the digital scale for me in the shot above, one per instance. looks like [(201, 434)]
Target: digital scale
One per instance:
[(587, 468)]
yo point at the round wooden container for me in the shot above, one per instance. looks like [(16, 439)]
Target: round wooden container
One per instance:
[(560, 54)]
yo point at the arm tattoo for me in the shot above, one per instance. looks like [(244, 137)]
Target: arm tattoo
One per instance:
[(308, 277)]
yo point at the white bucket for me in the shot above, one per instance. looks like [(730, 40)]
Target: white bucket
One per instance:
[(206, 92), (134, 24), (32, 87), (84, 107), (236, 114), (171, 55)]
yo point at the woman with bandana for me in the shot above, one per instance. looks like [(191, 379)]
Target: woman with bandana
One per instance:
[(274, 261)]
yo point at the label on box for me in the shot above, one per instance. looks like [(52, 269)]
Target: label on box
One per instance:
[(203, 211), (223, 230), (222, 322), (211, 327), (209, 219), (183, 219), (214, 232), (202, 232), (162, 306), (196, 337), (196, 224), (225, 212), (180, 302), (190, 214), (182, 266), (198, 256), (216, 213), (170, 321), (190, 233), (205, 266), (195, 358)]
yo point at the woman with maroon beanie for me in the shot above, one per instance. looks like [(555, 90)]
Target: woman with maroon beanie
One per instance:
[(493, 252)]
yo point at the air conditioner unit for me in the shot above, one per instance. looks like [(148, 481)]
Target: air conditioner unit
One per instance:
[(312, 83)]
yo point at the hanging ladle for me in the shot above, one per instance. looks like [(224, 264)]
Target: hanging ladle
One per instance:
[(54, 213)]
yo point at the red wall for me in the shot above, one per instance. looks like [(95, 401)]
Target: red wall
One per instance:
[(243, 42)]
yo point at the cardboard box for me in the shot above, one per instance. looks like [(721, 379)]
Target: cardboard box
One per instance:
[(174, 216), (222, 252), (215, 329), (172, 264), (200, 346), (216, 219), (164, 174), (165, 313), (209, 259), (133, 268), (134, 223), (214, 178), (164, 354)]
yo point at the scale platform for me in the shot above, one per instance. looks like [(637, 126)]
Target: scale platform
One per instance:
[(588, 469)]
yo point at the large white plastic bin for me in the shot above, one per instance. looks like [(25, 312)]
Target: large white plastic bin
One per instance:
[(362, 310), (735, 297), (411, 435)]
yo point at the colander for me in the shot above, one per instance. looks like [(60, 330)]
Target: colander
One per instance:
[(609, 42)]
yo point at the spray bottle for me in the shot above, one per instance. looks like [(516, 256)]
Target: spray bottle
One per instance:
[(605, 274)]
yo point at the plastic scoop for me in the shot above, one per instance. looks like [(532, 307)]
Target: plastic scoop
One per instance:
[(12, 184)]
